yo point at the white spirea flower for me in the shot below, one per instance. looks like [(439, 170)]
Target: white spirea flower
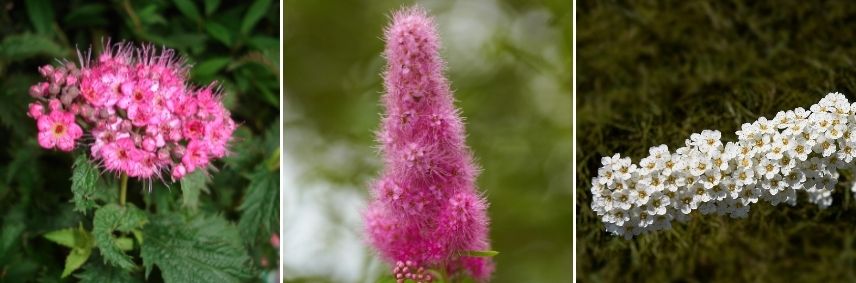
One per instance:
[(772, 160)]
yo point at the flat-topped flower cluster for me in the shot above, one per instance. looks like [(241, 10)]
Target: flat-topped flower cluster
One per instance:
[(772, 160), (135, 103)]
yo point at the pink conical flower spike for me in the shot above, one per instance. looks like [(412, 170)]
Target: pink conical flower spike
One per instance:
[(425, 211)]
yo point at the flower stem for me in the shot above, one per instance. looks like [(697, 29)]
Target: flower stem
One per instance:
[(123, 189)]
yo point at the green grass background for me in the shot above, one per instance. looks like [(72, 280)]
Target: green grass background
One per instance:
[(653, 73)]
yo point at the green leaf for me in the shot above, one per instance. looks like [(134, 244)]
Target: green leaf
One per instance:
[(125, 243), (255, 13), (211, 6), (64, 237), (75, 259), (80, 242), (260, 209), (97, 272), (203, 249), (24, 46), (219, 32), (191, 185), (86, 15), (10, 234), (84, 179), (149, 15), (481, 253), (188, 9), (210, 67), (114, 218), (41, 14)]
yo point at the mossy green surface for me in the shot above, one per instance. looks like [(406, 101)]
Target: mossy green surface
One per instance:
[(653, 73)]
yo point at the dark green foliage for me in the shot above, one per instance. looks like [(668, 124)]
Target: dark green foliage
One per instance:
[(46, 191), (652, 73), (84, 180), (191, 186), (261, 205), (113, 218), (201, 249), (96, 271)]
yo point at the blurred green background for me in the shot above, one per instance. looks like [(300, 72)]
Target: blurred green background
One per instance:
[(235, 43), (509, 63), (653, 73)]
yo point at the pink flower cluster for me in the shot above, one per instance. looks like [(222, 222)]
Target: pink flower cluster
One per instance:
[(135, 103), (425, 206)]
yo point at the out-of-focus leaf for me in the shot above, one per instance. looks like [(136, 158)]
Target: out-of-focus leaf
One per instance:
[(191, 185), (84, 178), (114, 218), (149, 15), (264, 42), (41, 15), (256, 11), (260, 209), (211, 6), (219, 32), (210, 67), (9, 235), (24, 46), (188, 8), (203, 249), (96, 271), (86, 15)]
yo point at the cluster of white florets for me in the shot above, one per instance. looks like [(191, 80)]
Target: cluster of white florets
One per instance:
[(798, 150)]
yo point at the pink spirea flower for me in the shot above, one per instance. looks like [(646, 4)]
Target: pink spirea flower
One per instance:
[(135, 102), (58, 129), (425, 206)]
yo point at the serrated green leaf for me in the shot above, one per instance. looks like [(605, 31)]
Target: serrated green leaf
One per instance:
[(84, 179), (255, 13), (481, 253), (210, 67), (41, 15), (75, 260), (188, 9), (97, 272), (260, 209), (211, 6), (191, 185), (204, 249), (219, 32), (111, 218), (24, 46)]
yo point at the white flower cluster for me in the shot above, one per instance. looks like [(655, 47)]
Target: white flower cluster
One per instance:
[(798, 150)]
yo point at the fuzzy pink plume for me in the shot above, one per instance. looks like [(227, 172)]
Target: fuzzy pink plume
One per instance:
[(425, 209), (135, 104)]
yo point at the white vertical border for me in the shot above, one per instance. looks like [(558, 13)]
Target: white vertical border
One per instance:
[(281, 271), (574, 135)]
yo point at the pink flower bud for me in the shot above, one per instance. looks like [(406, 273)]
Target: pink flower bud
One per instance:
[(36, 110), (149, 144), (54, 104), (178, 172), (46, 70)]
